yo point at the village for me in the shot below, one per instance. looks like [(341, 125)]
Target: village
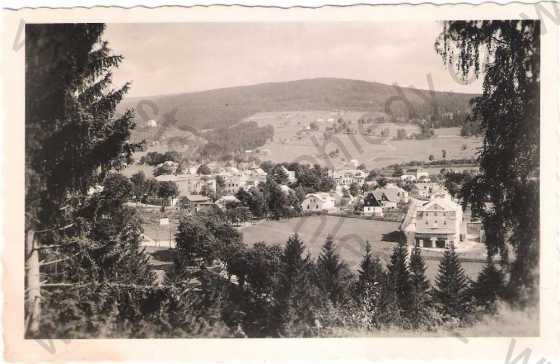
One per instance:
[(428, 215)]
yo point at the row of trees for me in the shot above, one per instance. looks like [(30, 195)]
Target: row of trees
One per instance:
[(309, 178), (282, 291), (155, 158), (236, 139), (270, 200)]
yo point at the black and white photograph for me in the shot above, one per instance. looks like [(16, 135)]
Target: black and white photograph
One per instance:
[(265, 180)]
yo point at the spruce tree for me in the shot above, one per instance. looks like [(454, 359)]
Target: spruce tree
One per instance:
[(451, 291), (489, 287), (371, 271), (420, 299), (74, 138), (332, 273), (296, 297), (397, 289)]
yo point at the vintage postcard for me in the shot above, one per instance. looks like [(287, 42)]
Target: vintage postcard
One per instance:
[(362, 182)]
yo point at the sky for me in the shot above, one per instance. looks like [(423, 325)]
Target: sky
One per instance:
[(186, 57)]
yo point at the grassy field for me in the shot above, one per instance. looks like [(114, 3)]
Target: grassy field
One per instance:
[(350, 235), (375, 152)]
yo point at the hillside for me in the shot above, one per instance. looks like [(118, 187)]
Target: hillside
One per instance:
[(227, 106)]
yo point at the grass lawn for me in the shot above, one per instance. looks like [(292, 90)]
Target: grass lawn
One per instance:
[(350, 235)]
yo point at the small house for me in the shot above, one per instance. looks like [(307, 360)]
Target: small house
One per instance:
[(373, 205), (316, 202)]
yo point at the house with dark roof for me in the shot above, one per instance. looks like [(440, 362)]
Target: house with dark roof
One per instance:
[(373, 205)]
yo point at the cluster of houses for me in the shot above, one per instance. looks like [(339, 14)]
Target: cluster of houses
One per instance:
[(432, 219), (196, 187)]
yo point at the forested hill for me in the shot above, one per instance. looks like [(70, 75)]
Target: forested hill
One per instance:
[(227, 106)]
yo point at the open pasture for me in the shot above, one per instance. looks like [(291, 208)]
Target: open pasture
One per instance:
[(350, 236), (290, 144)]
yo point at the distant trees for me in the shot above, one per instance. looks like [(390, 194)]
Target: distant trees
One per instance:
[(354, 189), (203, 238), (167, 190), (203, 169), (155, 158), (165, 168), (239, 138), (279, 174)]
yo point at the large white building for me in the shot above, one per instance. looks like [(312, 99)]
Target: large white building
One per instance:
[(436, 223)]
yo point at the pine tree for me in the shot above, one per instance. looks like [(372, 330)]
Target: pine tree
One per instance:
[(395, 301), (489, 287), (398, 275), (74, 138), (451, 291), (371, 271), (420, 285), (332, 273), (296, 296)]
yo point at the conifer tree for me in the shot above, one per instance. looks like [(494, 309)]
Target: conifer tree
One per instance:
[(371, 271), (74, 138), (395, 299), (451, 291), (420, 299), (332, 273), (489, 287), (398, 275), (296, 295)]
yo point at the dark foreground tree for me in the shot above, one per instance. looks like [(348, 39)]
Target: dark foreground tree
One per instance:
[(74, 138), (508, 54), (396, 298), (333, 275), (489, 287), (420, 307), (451, 291), (297, 298)]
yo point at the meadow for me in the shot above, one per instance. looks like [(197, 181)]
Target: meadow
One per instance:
[(291, 144), (350, 236)]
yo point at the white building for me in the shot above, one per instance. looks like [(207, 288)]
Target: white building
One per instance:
[(347, 177), (434, 224), (189, 184), (316, 202)]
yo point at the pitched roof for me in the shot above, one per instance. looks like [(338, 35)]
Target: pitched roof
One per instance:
[(373, 199), (197, 198), (391, 194)]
